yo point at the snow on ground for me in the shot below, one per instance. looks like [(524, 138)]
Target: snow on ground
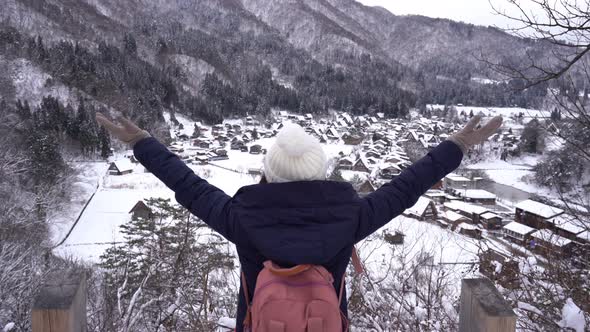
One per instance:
[(442, 245), (86, 182), (31, 84), (99, 225), (572, 317), (507, 112), (516, 173)]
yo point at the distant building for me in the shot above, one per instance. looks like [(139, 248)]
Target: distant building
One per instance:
[(457, 182), (517, 232), (535, 214), (141, 211), (424, 209), (490, 220), (567, 225), (345, 163), (550, 244), (479, 196), (471, 231), (256, 149), (450, 217), (361, 166), (121, 167), (473, 212), (366, 188)]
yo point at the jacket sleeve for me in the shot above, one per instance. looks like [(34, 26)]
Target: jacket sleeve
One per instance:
[(202, 199), (403, 191)]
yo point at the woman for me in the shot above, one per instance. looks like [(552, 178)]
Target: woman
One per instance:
[(297, 217)]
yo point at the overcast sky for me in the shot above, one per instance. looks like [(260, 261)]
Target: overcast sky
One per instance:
[(471, 11)]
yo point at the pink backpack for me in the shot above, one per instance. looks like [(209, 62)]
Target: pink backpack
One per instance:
[(298, 299)]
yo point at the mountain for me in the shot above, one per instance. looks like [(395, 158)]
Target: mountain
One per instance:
[(217, 58)]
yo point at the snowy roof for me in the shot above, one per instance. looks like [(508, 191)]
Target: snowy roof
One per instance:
[(466, 207), (468, 226), (584, 236), (539, 209), (332, 132), (477, 194), (346, 159), (569, 223), (123, 165), (550, 237), (420, 207), (435, 193), (457, 178), (519, 228), (489, 215), (452, 215)]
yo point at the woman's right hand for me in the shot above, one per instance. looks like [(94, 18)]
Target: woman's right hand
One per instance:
[(128, 132), (470, 136)]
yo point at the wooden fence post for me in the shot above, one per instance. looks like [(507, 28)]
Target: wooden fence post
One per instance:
[(60, 305), (483, 309)]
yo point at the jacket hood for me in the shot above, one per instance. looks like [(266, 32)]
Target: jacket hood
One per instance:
[(307, 222)]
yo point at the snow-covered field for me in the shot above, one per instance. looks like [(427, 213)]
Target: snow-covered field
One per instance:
[(506, 112)]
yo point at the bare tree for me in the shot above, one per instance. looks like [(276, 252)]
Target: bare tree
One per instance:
[(564, 26)]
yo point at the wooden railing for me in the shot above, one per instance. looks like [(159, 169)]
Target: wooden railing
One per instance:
[(61, 306), (483, 309)]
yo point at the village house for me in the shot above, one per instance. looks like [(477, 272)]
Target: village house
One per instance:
[(121, 167), (471, 231), (473, 212), (361, 165), (345, 163), (424, 209), (217, 129), (517, 233), (256, 149), (550, 244), (201, 143), (141, 211), (437, 196), (347, 118), (366, 188), (450, 217), (535, 214), (491, 221), (332, 134), (567, 225), (237, 144), (389, 171), (454, 181), (202, 159), (479, 196), (350, 139)]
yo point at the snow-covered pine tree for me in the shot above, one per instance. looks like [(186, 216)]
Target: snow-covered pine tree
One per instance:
[(172, 272)]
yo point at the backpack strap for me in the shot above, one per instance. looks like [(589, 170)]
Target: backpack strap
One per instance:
[(248, 319), (356, 262), (278, 271)]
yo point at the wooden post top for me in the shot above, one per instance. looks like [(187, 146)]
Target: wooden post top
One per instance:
[(59, 290), (488, 297)]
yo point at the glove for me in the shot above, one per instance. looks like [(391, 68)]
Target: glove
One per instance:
[(469, 136), (128, 133)]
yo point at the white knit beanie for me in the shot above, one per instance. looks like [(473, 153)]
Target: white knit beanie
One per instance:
[(295, 156)]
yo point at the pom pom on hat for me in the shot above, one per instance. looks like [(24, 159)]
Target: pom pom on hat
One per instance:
[(295, 156)]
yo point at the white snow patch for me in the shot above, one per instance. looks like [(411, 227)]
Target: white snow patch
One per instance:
[(8, 327), (226, 324), (31, 84), (572, 316)]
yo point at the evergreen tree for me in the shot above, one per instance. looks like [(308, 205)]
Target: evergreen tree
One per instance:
[(162, 257), (105, 143)]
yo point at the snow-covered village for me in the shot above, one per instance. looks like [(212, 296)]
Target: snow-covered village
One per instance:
[(313, 165)]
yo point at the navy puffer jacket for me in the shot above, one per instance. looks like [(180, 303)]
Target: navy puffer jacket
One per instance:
[(311, 222)]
